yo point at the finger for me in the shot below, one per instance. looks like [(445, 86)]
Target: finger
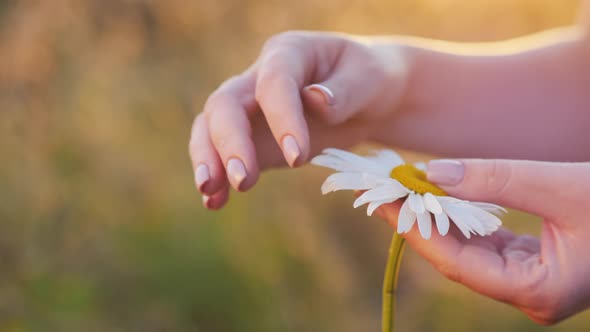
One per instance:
[(208, 169), (531, 186), (338, 98), (231, 133), (281, 75), (474, 262), (217, 200), (351, 89)]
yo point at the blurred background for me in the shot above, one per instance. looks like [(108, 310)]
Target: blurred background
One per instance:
[(101, 226)]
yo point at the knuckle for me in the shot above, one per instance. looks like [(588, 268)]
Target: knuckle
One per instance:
[(215, 100), (281, 39), (498, 178), (267, 82), (226, 142), (192, 146), (195, 133), (229, 82)]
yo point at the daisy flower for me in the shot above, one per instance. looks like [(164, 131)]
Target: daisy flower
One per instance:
[(387, 178)]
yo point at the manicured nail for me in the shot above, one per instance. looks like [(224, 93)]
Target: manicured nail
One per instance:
[(206, 200), (326, 93), (202, 176), (236, 172), (445, 172), (290, 149)]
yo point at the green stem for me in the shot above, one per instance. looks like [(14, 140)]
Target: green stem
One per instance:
[(396, 250)]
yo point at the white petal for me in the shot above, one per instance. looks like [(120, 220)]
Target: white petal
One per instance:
[(421, 166), (425, 224), (338, 164), (432, 204), (471, 219), (348, 161), (451, 210), (475, 224), (442, 223), (375, 205), (492, 208), (406, 218), (489, 222), (416, 203), (390, 191), (389, 157), (348, 181), (468, 219), (489, 207), (462, 227)]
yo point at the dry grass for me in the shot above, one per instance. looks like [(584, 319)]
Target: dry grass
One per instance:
[(101, 228)]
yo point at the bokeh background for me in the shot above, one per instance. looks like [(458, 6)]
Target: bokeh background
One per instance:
[(101, 228)]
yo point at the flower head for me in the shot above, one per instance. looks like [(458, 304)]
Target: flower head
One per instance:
[(387, 178)]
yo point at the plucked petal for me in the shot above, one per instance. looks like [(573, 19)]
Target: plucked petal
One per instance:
[(442, 223), (489, 222), (451, 210), (432, 204), (406, 218), (474, 225), (389, 191), (425, 224), (472, 217), (349, 181), (480, 221), (489, 207), (492, 208), (416, 203)]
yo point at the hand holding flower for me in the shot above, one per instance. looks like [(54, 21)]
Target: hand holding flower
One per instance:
[(546, 278)]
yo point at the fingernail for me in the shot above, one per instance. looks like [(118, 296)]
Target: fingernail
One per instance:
[(202, 176), (324, 91), (445, 172), (206, 200), (290, 150), (236, 172)]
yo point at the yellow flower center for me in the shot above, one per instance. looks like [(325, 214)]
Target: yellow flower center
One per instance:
[(415, 179)]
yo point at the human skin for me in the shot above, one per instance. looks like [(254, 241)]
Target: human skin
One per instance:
[(519, 99)]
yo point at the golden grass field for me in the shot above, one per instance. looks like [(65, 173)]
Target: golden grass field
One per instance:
[(101, 228)]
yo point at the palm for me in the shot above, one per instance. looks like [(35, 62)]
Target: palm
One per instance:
[(499, 265)]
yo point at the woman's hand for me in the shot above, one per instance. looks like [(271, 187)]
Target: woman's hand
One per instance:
[(276, 110), (547, 278)]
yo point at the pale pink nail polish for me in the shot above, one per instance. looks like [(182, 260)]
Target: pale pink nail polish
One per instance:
[(290, 149), (324, 91), (236, 172), (202, 176), (445, 172), (206, 200)]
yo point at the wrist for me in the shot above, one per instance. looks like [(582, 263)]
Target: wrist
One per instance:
[(397, 60)]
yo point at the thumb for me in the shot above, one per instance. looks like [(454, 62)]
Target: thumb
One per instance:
[(547, 189)]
